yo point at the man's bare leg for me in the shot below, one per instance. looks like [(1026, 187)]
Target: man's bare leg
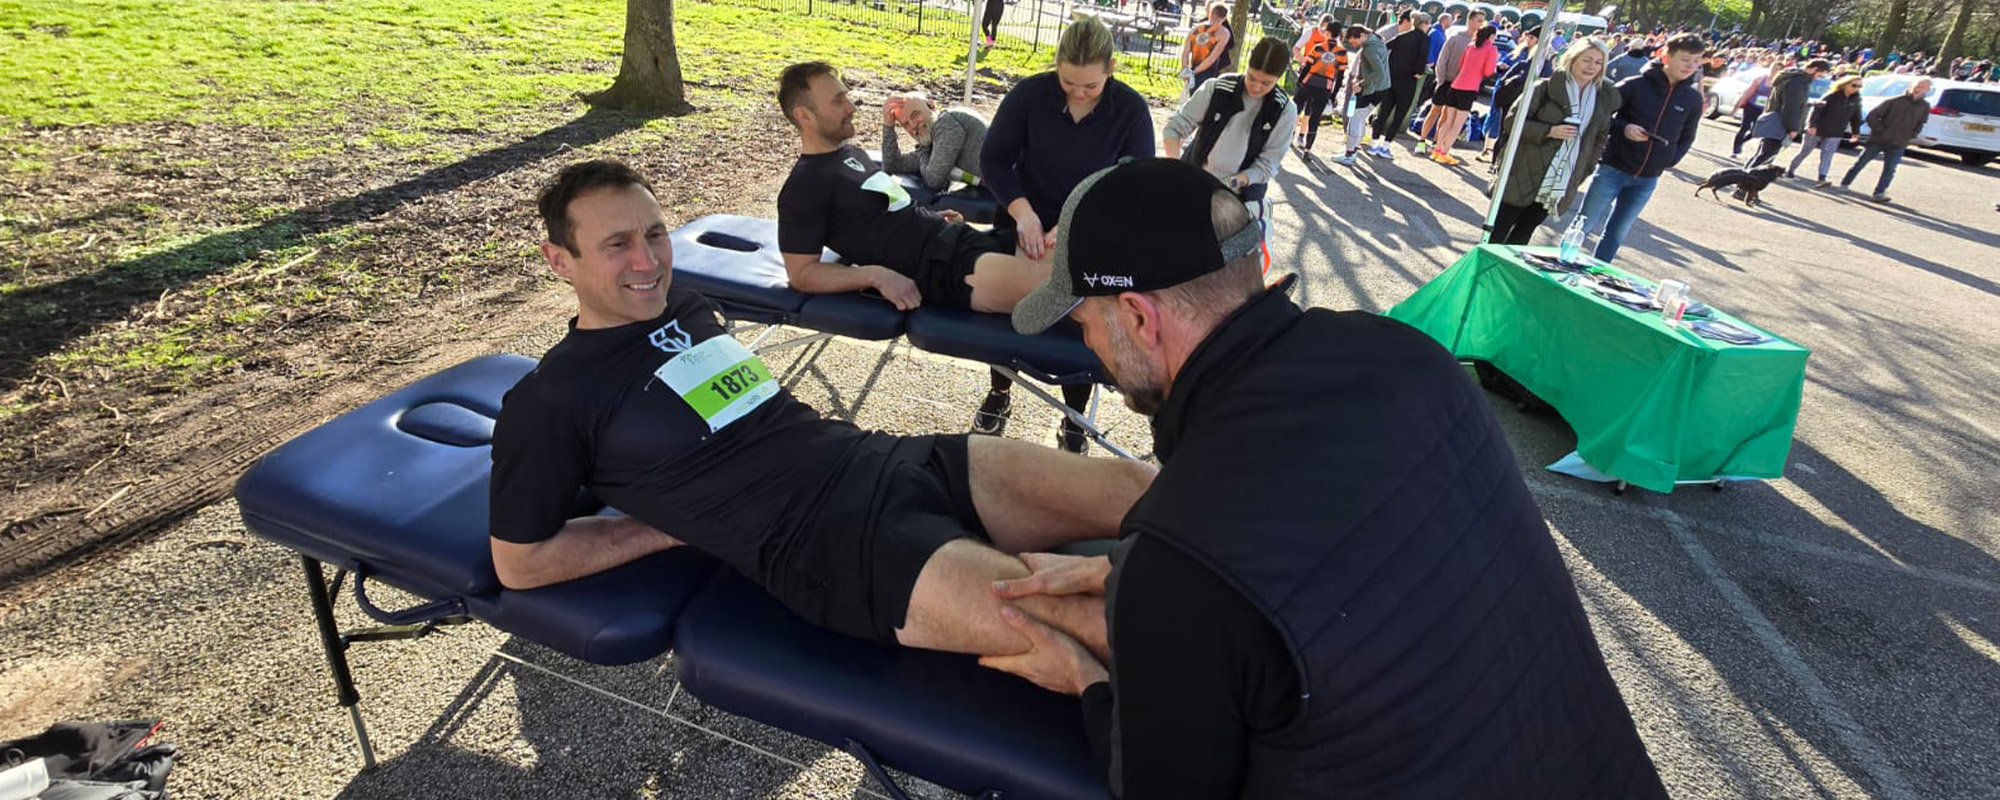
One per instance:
[(999, 281), (1031, 498), (952, 607)]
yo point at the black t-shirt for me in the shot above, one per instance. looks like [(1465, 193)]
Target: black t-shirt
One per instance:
[(593, 415), (823, 205)]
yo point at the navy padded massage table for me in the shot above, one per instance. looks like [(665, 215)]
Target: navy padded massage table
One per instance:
[(734, 262), (396, 492)]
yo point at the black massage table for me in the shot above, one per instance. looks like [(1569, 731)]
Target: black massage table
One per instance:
[(396, 493)]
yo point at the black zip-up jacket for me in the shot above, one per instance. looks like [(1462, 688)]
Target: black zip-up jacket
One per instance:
[(1671, 112), (1835, 112), (1408, 54)]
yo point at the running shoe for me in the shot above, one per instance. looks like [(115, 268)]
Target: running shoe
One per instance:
[(1382, 151), (1881, 198), (1822, 184), (992, 417), (1445, 158), (1071, 438), (1344, 159)]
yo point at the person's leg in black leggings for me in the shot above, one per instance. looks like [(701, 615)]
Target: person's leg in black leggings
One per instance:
[(990, 22), (1314, 108), (1517, 224), (993, 413), (1744, 129), (1389, 115), (1767, 151)]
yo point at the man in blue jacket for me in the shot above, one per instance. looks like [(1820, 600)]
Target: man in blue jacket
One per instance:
[(1649, 134)]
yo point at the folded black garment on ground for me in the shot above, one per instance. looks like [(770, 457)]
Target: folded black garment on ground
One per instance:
[(96, 751)]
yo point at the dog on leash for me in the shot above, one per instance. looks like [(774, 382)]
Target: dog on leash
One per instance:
[(1748, 183)]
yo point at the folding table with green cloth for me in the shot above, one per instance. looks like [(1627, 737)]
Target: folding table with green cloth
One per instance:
[(1651, 404)]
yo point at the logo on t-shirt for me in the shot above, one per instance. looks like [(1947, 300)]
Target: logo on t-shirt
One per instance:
[(854, 164), (670, 338)]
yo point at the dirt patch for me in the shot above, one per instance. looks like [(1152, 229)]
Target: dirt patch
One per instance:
[(181, 298)]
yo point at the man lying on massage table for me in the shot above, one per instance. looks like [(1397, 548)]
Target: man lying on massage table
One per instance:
[(652, 407), (837, 197)]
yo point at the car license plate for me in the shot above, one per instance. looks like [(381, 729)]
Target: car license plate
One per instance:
[(1978, 128)]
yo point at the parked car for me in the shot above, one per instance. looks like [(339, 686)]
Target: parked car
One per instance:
[(1721, 97), (1965, 117)]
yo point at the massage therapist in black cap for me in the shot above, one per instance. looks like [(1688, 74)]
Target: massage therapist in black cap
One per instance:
[(1338, 585)]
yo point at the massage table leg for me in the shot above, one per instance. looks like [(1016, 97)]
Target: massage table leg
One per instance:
[(336, 655), (410, 624)]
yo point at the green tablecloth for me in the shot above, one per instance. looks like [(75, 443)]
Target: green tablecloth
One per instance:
[(1650, 404)]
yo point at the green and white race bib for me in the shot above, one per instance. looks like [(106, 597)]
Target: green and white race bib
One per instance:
[(720, 379), (881, 183)]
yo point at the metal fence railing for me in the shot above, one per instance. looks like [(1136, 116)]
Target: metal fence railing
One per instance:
[(1149, 35)]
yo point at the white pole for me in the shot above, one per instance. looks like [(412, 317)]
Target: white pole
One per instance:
[(1520, 107), (971, 51)]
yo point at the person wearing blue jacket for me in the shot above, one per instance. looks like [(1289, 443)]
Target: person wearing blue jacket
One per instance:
[(1651, 132)]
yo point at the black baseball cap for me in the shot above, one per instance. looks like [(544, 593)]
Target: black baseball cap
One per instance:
[(1140, 226)]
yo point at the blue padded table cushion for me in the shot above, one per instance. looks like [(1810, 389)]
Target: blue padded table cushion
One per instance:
[(399, 482), (734, 261), (938, 716), (1057, 355), (397, 490)]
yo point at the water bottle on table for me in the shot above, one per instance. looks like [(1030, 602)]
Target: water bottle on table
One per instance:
[(1571, 249)]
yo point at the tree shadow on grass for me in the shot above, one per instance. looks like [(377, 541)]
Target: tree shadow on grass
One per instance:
[(41, 319)]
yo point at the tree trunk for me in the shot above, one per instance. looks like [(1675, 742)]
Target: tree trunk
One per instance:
[(1954, 42), (649, 76), (1239, 21), (1758, 10), (1886, 44)]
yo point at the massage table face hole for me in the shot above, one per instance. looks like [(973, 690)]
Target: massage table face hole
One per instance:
[(727, 242), (447, 423)]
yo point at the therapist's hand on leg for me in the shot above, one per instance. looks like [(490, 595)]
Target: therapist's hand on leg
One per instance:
[(1054, 661), (1056, 574), (1030, 238)]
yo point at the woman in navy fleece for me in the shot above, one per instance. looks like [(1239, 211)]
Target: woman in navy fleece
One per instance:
[(1050, 132)]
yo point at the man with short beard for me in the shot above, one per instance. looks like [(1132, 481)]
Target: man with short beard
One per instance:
[(837, 197), (1338, 585)]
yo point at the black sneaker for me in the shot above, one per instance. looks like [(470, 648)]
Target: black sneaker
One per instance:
[(992, 417), (1071, 438)]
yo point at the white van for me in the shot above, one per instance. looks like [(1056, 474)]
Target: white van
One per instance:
[(1965, 117)]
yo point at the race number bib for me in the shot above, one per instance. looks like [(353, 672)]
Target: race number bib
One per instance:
[(882, 184), (720, 379)]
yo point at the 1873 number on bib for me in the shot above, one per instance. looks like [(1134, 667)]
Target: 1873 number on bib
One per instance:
[(720, 379)]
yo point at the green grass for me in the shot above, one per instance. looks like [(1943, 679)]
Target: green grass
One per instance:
[(381, 84), (442, 64)]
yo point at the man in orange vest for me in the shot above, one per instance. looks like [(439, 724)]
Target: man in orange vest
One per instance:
[(1210, 47), (1322, 62)]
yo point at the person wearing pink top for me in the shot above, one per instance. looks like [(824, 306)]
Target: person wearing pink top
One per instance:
[(1481, 60)]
